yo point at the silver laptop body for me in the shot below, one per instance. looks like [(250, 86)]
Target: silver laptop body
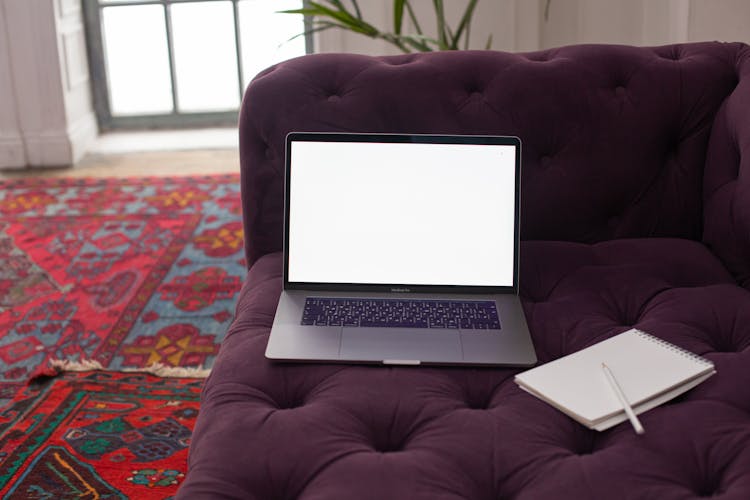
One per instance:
[(398, 249)]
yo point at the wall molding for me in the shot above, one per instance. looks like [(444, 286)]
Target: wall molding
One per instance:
[(74, 58), (60, 147), (12, 151), (82, 133), (69, 7), (48, 149), (48, 74)]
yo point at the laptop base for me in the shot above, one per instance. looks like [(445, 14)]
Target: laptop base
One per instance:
[(292, 341)]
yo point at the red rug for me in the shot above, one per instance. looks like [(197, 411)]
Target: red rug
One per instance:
[(98, 435), (124, 272)]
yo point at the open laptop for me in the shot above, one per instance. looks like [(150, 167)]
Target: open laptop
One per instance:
[(401, 249)]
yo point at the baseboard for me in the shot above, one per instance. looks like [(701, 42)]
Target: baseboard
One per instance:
[(61, 147), (83, 132), (12, 152)]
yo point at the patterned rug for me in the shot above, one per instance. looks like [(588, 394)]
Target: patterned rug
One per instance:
[(127, 273), (98, 435)]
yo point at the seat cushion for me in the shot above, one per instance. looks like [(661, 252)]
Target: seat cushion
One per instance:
[(328, 431)]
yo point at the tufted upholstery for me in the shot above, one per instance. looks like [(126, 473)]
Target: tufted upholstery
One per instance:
[(636, 212), (727, 178)]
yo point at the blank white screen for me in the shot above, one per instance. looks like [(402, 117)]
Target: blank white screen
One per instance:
[(401, 213)]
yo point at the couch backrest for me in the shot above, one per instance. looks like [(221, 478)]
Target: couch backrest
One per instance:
[(727, 178), (614, 137)]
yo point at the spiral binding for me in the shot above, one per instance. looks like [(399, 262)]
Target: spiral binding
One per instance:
[(674, 348)]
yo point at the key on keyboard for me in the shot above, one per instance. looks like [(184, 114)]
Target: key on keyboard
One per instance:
[(401, 313)]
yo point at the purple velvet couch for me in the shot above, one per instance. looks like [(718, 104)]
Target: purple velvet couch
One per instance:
[(636, 212)]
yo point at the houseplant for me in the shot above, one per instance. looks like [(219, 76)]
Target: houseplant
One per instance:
[(329, 14)]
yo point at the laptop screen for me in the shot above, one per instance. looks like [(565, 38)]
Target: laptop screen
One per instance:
[(402, 210)]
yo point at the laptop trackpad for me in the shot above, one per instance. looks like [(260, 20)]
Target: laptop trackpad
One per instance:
[(376, 344)]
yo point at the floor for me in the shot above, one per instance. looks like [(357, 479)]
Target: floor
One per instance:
[(166, 140), (151, 153), (146, 163)]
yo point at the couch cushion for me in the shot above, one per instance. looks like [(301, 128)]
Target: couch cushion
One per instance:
[(330, 431), (614, 137), (726, 185)]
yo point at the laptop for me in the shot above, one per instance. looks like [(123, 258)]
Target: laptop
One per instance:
[(401, 250)]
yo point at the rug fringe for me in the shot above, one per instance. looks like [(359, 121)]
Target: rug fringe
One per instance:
[(158, 369)]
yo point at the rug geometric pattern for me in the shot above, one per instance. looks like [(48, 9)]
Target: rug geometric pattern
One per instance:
[(126, 272), (98, 435)]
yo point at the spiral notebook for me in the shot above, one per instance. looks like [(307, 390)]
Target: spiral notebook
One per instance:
[(649, 370)]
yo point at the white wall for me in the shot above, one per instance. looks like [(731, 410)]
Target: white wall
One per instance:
[(82, 126), (519, 25), (49, 112), (645, 22), (727, 20)]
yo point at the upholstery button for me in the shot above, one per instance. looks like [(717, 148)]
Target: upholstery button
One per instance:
[(289, 403), (620, 91), (400, 60), (473, 88), (544, 57), (545, 161), (269, 154), (719, 343), (627, 319), (334, 98), (673, 55), (387, 444), (710, 487), (479, 401), (584, 445), (386, 449)]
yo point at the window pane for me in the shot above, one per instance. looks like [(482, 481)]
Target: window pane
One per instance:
[(265, 33), (137, 66), (205, 56)]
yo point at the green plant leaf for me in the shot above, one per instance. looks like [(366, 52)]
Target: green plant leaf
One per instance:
[(391, 38), (467, 38), (441, 31), (346, 18), (342, 8), (413, 17), (488, 45), (463, 24), (306, 12), (449, 38), (317, 27), (327, 14), (420, 42), (357, 9), (398, 15)]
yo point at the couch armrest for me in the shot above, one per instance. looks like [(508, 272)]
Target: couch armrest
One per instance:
[(727, 178)]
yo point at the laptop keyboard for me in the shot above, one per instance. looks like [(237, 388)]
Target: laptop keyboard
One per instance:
[(401, 313)]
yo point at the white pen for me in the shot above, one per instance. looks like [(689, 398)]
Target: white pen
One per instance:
[(623, 400)]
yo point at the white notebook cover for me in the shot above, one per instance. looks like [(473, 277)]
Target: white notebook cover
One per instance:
[(649, 370)]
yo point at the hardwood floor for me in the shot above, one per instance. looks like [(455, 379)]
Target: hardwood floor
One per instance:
[(162, 163)]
